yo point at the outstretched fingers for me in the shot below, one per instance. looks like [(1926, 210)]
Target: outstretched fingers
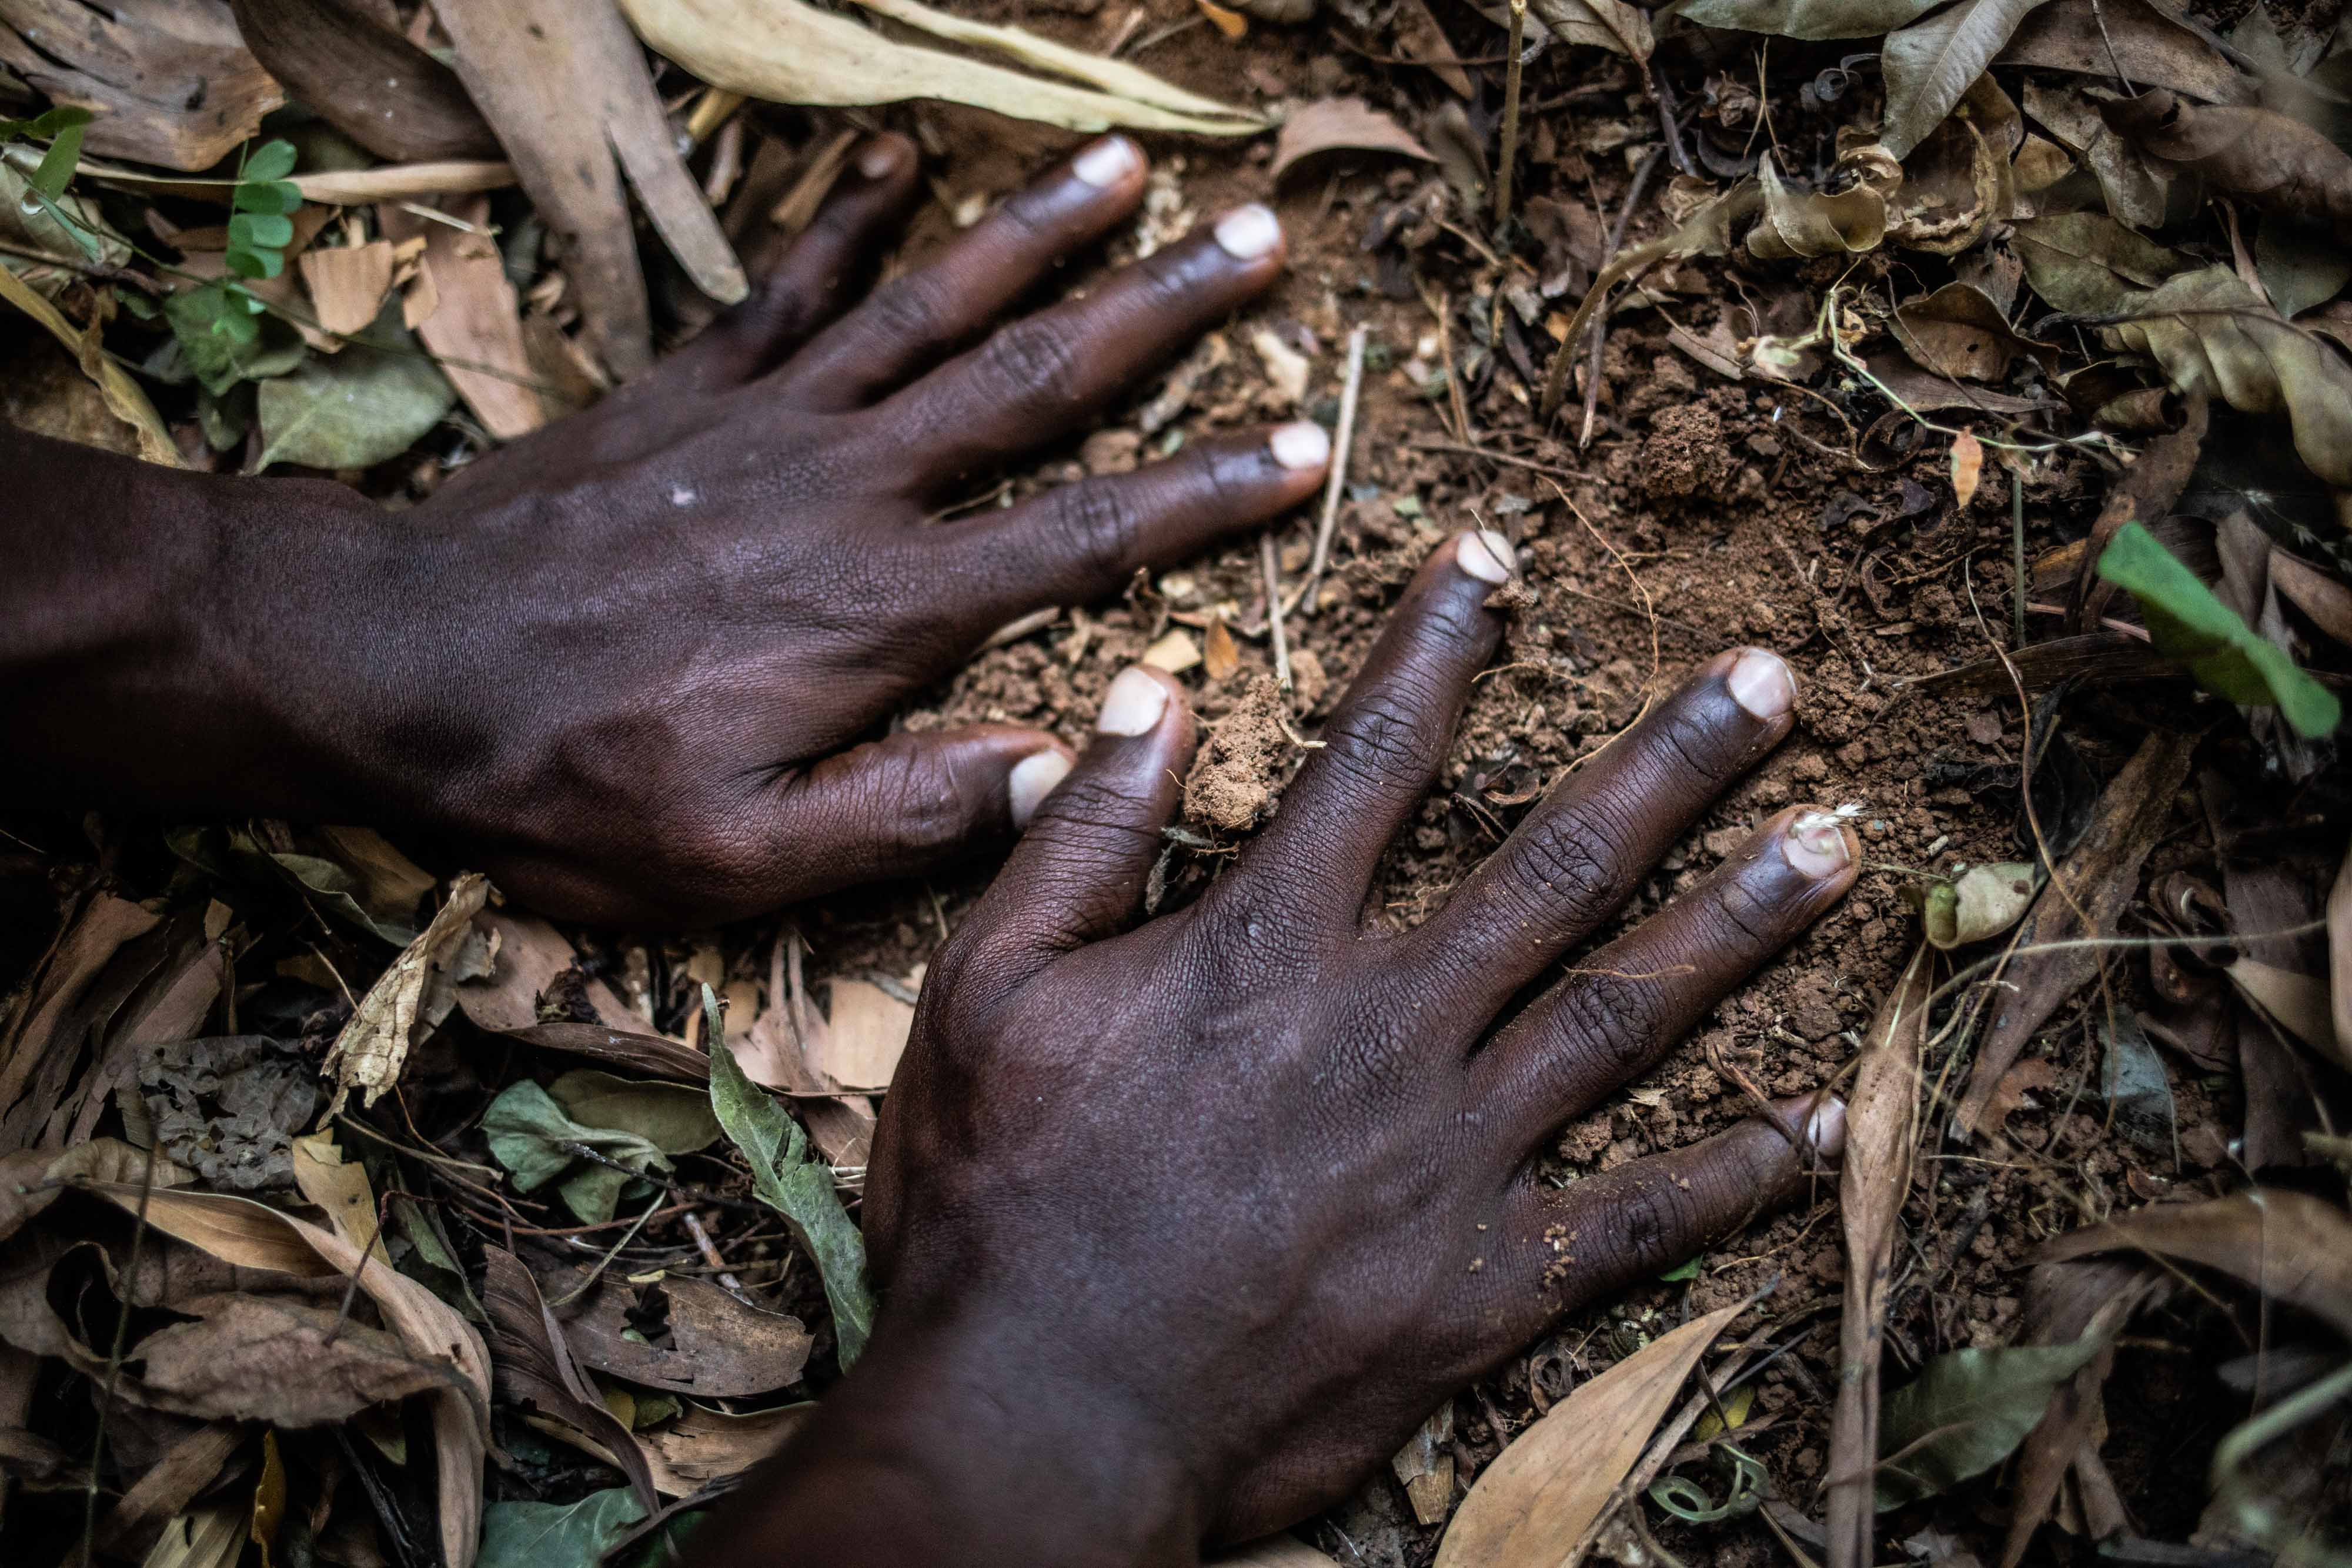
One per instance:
[(1562, 1246), (1085, 540), (1580, 853), (1078, 873), (914, 321), (1382, 749), (1620, 1010)]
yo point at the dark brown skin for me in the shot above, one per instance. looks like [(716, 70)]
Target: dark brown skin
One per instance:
[(1181, 1228)]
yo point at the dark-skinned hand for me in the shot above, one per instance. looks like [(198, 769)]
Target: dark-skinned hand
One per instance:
[(1184, 1227), (626, 665)]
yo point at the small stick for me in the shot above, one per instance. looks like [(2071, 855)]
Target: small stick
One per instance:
[(2017, 548), (1452, 375), (1340, 447), (1510, 115), (702, 1244), (1600, 328), (1274, 606)]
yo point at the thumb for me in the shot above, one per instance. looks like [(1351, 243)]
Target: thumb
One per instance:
[(914, 801)]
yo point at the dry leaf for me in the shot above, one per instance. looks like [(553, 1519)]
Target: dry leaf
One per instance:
[(2297, 1002), (347, 284), (254, 1236), (1931, 64), (368, 1055), (1958, 331), (2339, 949), (1232, 24), (340, 1187), (2090, 38), (213, 1536), (1274, 1552), (716, 1347), (2135, 189), (1810, 223), (1540, 1500), (1967, 468), (476, 324), (30, 1179), (865, 1035), (2288, 1245), (1609, 25), (125, 399), (535, 1367), (1425, 1466), (790, 52), (170, 84), (345, 61), (2277, 164), (1882, 1135), (1174, 652), (706, 1446), (1220, 655), (1333, 123), (254, 1357)]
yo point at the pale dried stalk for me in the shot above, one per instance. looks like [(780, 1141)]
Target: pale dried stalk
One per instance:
[(1343, 442), (1273, 609), (1882, 1136), (1510, 114)]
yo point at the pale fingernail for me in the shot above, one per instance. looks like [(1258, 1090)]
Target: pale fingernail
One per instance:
[(1248, 233), (1106, 162), (1486, 556), (1032, 779), (1816, 845), (1825, 1128), (1132, 705), (1304, 444), (1760, 682), (879, 158)]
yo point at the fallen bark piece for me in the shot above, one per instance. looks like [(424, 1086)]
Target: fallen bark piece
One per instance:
[(474, 327), (169, 80)]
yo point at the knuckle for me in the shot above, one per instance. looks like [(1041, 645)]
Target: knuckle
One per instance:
[(1093, 524), (1613, 1024), (1032, 362), (1377, 745), (1741, 908), (1571, 858), (1694, 745), (920, 807), (1654, 1220), (913, 309)]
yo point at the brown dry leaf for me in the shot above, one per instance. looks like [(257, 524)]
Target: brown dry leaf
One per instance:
[(30, 1179), (2089, 38), (2144, 495), (125, 399), (2288, 1245), (344, 60), (1810, 223), (254, 1236), (567, 89), (1174, 652), (2297, 1002), (1424, 1466), (533, 958), (347, 284), (338, 1186), (718, 1347), (1220, 655), (213, 1536), (2136, 190), (1931, 64), (476, 324), (1609, 25), (2086, 896), (1539, 1500), (254, 1357), (2322, 598), (1420, 39), (2010, 1095), (1232, 24), (1882, 1136), (706, 1446), (865, 1035), (2339, 948), (58, 1010), (1334, 123), (2039, 163), (170, 81), (2277, 164), (185, 1472), (535, 1368), (789, 52), (368, 1055), (1958, 331), (1967, 468)]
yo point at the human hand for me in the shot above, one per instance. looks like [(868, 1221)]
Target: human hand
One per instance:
[(625, 664), (1184, 1227)]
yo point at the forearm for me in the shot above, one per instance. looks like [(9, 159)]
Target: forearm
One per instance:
[(952, 1447), (158, 628)]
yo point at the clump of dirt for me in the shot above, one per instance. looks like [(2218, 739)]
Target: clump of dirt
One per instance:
[(1685, 457), (1241, 763)]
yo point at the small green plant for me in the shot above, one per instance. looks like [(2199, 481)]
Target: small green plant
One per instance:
[(2228, 658), (261, 222), (62, 129), (218, 323)]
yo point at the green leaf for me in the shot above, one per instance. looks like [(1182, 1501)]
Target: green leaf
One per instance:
[(279, 197), (556, 1535), (672, 1117), (1808, 19), (260, 231), (42, 127), (256, 263), (1686, 1270), (1965, 1413), (222, 342), (2227, 656), (529, 1134), (357, 408), (796, 1184), (58, 162), (273, 160)]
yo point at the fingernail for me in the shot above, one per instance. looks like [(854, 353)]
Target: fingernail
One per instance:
[(1248, 233), (1032, 779), (1825, 1128), (1486, 556), (1816, 845), (1760, 682), (1304, 444), (1106, 162), (1132, 705), (880, 158)]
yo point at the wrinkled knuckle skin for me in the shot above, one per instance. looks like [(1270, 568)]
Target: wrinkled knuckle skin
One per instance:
[(919, 808), (1030, 362), (1613, 1025), (1568, 857), (1378, 746), (1651, 1223), (910, 310), (1094, 525), (1691, 737), (1750, 905)]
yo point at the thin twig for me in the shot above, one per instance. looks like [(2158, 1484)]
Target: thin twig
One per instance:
[(709, 1251), (1599, 328), (1510, 115), (1547, 469), (1343, 443), (2017, 548), (1273, 570), (114, 1356)]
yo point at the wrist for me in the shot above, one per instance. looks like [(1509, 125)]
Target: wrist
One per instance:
[(957, 1440)]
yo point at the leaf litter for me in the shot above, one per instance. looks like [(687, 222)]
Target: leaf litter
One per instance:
[(1916, 318)]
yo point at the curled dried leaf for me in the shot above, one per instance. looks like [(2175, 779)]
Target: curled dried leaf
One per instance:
[(2278, 164)]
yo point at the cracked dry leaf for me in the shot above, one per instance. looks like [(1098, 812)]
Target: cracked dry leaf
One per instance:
[(1811, 223), (2203, 327), (370, 1052), (788, 52), (2277, 164)]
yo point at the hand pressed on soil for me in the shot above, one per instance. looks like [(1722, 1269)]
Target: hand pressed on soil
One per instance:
[(624, 664), (1184, 1228)]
